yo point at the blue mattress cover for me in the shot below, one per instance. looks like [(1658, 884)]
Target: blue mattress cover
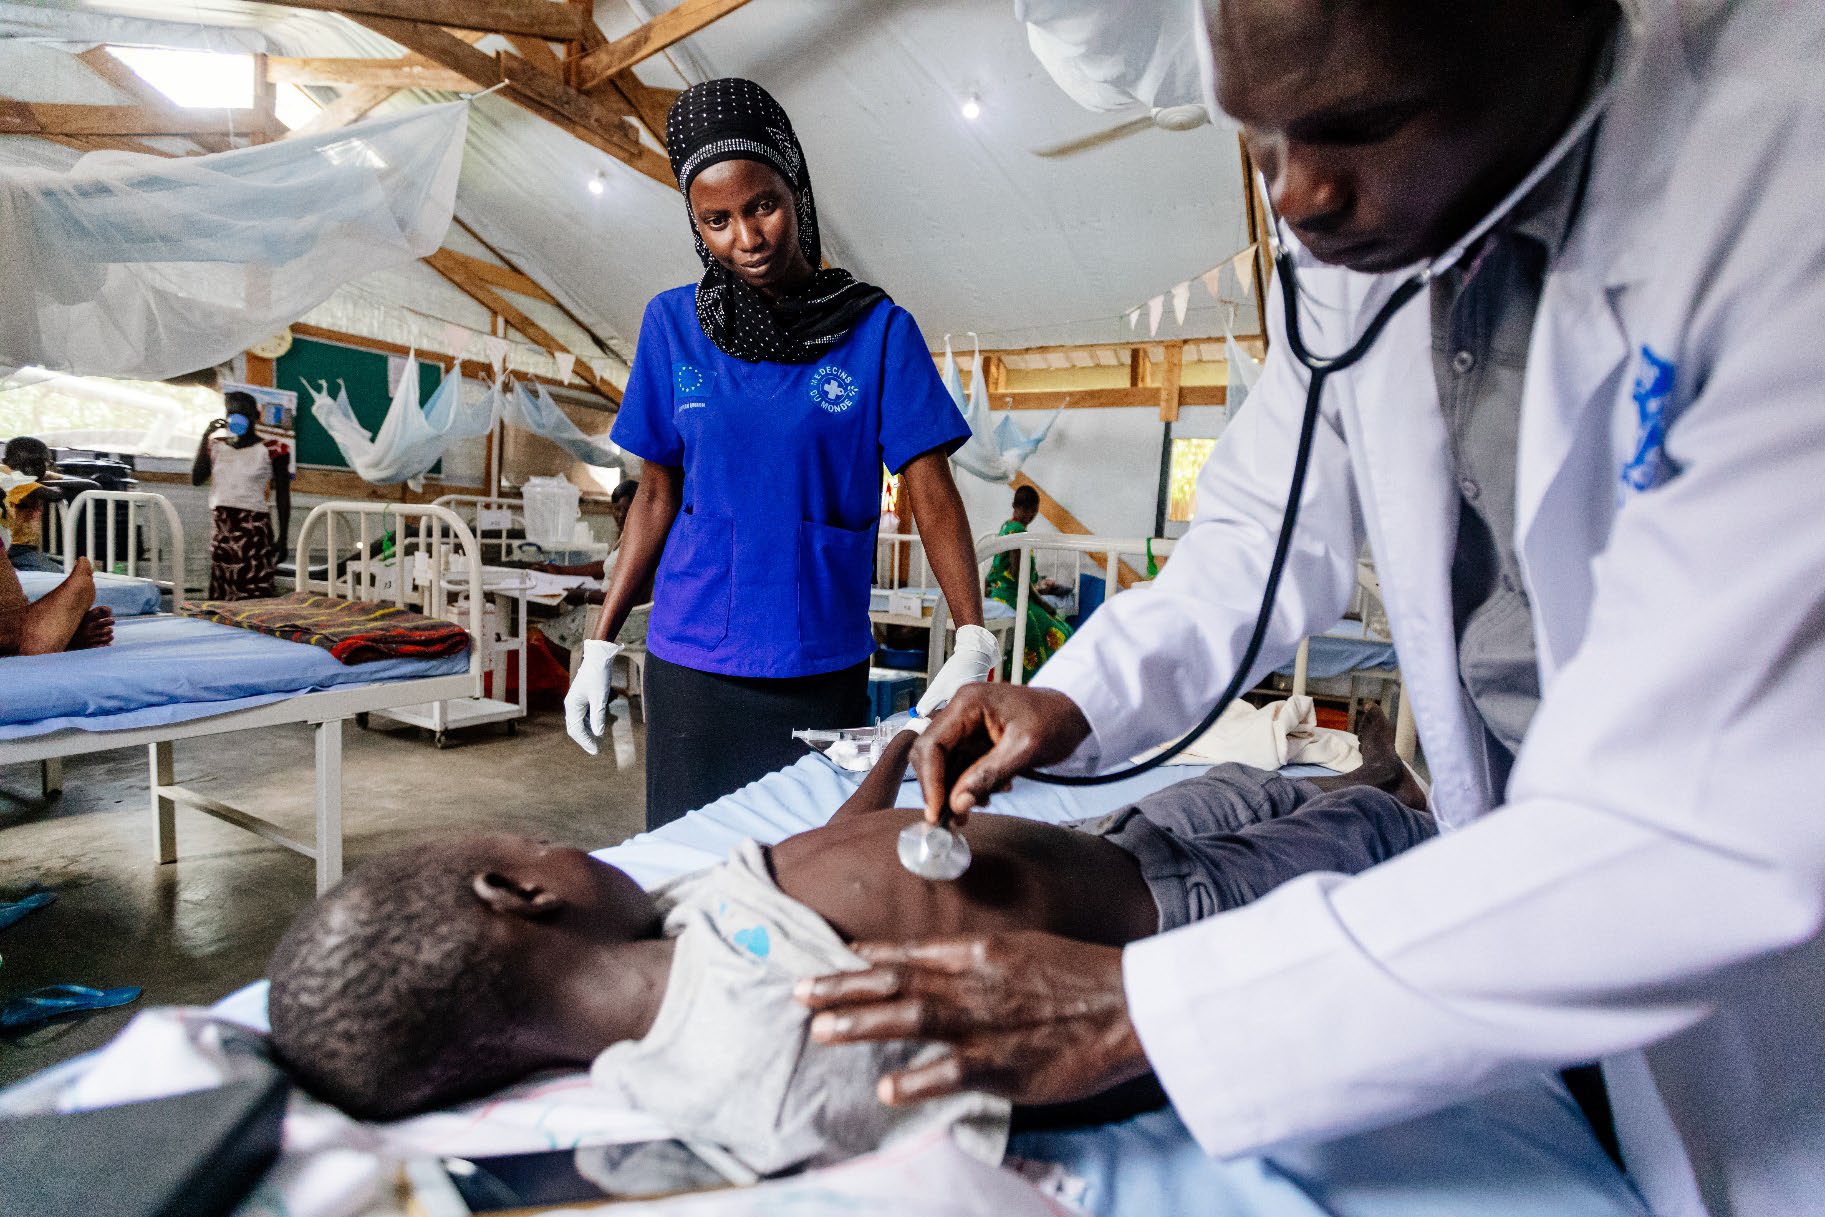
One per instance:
[(1338, 653), (128, 597), (165, 669)]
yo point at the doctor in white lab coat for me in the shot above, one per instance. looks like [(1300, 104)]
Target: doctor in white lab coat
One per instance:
[(1649, 889)]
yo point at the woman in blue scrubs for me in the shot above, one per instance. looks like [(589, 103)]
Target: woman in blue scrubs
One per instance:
[(765, 400)]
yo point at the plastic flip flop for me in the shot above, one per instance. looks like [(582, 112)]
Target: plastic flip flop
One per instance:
[(54, 1001), (13, 910)]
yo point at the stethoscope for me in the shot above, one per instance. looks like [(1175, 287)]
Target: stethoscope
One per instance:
[(1320, 369)]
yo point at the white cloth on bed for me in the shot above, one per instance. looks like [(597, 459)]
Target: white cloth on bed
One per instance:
[(1273, 736), (728, 1059)]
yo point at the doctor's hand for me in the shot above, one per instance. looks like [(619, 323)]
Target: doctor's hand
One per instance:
[(987, 735), (1030, 1016), (586, 704)]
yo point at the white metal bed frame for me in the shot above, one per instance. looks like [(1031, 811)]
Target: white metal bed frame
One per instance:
[(1111, 551), (474, 509), (122, 555), (438, 533)]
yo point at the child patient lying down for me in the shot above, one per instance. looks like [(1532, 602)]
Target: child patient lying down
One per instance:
[(443, 972)]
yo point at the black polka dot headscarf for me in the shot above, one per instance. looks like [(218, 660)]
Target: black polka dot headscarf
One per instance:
[(735, 119)]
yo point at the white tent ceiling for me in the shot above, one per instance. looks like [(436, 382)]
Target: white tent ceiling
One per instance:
[(960, 221)]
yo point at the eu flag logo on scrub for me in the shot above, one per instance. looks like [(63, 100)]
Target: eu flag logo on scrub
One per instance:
[(689, 378), (832, 388), (1649, 465)]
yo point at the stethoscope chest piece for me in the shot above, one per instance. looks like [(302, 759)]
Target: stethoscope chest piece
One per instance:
[(931, 852)]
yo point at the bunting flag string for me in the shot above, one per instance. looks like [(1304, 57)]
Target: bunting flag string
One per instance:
[(1239, 265)]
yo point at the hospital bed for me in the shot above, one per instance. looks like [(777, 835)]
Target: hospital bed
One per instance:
[(172, 678), (499, 523), (1518, 1152)]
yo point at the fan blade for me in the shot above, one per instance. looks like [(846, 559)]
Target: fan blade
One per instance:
[(1096, 140)]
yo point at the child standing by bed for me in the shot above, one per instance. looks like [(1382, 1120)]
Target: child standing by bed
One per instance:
[(243, 471)]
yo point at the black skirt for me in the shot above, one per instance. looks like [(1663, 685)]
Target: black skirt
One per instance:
[(709, 735)]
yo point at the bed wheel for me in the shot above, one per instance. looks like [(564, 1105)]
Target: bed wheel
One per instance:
[(361, 720), (513, 728), (442, 741)]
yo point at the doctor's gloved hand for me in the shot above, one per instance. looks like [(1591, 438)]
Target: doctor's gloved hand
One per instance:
[(1034, 1017), (986, 736), (977, 656), (586, 705)]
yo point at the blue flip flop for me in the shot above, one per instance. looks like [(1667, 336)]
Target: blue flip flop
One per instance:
[(13, 910), (55, 1001)]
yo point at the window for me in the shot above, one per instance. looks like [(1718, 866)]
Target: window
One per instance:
[(89, 412), (213, 80), (207, 79), (1186, 462)]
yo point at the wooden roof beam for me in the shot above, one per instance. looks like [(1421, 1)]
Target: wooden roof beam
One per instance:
[(477, 290), (576, 113), (358, 102), (504, 277), (556, 303), (600, 66), (539, 18), (42, 118), (406, 72)]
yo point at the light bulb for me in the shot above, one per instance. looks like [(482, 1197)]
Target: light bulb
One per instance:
[(972, 108), (596, 185)]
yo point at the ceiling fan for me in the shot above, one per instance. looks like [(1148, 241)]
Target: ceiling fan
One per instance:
[(1165, 118)]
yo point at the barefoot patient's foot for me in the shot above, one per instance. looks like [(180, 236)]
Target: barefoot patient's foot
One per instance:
[(96, 629), (47, 625)]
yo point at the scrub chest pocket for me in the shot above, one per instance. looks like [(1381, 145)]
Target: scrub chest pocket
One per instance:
[(692, 595), (835, 573)]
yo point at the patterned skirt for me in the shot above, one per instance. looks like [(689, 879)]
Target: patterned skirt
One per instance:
[(242, 561)]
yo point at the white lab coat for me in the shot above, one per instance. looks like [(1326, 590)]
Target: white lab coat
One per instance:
[(1656, 881)]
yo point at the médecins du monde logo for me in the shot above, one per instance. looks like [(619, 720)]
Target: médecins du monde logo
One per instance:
[(833, 389)]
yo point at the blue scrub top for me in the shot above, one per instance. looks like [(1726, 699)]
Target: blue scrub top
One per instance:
[(767, 569)]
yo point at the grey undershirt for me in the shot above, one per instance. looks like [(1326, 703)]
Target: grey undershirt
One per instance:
[(1482, 322)]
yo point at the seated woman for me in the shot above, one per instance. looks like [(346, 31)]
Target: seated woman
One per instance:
[(620, 499), (65, 619), (1046, 630), (435, 974)]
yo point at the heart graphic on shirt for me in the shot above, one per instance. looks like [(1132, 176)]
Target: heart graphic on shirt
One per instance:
[(754, 941)]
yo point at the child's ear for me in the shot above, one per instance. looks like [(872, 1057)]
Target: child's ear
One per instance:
[(504, 893)]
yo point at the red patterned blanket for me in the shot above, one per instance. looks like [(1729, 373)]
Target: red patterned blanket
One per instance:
[(354, 631)]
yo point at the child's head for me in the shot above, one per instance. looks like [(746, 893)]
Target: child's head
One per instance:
[(435, 973), (1026, 503)]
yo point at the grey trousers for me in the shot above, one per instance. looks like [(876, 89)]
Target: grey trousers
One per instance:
[(1232, 834)]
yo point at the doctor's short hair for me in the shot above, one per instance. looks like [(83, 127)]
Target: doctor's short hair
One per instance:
[(1026, 498), (239, 400), (390, 995), (624, 491)]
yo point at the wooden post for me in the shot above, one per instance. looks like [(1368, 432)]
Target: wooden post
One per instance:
[(1169, 386), (1258, 233), (263, 103)]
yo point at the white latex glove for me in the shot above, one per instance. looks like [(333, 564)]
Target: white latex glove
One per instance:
[(586, 705), (977, 655)]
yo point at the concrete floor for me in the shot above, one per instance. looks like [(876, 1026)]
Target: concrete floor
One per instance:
[(195, 930)]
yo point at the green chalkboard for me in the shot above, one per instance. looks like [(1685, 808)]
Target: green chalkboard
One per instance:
[(363, 372)]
